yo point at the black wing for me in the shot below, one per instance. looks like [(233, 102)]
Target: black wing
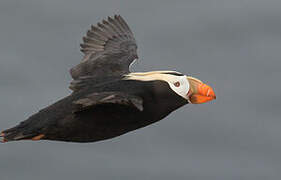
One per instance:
[(109, 48), (117, 98)]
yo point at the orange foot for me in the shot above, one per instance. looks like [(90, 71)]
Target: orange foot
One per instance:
[(3, 137), (36, 138)]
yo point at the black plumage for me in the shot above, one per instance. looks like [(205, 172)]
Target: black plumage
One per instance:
[(103, 104), (103, 111)]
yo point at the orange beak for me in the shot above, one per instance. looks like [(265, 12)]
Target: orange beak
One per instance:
[(200, 92)]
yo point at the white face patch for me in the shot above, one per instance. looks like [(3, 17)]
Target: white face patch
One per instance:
[(179, 84)]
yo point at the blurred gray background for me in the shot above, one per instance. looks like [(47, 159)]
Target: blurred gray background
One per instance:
[(233, 45)]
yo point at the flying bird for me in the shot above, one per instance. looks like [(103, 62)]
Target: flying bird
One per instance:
[(107, 99)]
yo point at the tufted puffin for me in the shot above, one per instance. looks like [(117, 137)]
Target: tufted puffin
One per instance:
[(107, 99)]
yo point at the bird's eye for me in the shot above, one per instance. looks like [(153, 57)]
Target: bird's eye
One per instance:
[(177, 84)]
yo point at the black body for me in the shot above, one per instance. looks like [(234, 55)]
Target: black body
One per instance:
[(60, 121), (102, 104)]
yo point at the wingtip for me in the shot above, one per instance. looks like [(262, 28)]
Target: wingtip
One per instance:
[(117, 16), (110, 19)]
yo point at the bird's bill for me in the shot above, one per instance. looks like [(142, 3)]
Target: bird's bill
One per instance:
[(199, 92)]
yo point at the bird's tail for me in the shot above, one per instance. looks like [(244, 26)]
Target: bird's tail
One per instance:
[(17, 133)]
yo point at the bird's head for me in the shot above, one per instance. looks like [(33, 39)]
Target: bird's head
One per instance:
[(190, 88)]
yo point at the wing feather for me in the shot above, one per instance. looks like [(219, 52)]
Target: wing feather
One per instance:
[(118, 98), (109, 48)]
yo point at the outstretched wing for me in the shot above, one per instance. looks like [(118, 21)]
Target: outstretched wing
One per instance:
[(109, 48), (117, 98)]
